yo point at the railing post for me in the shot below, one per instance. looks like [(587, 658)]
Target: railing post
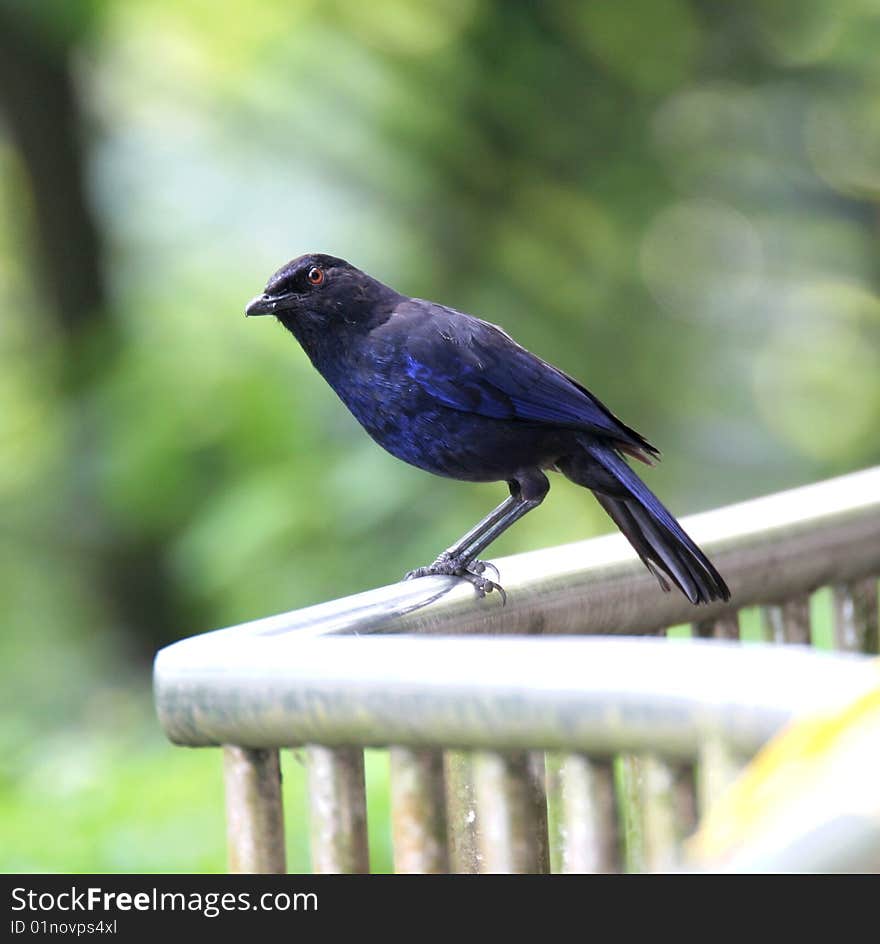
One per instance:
[(418, 815), (337, 799), (462, 816), (668, 808), (856, 617), (254, 812), (628, 786), (585, 814), (725, 626), (511, 799), (788, 622), (718, 768)]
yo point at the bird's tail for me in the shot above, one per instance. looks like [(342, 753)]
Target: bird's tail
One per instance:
[(657, 537)]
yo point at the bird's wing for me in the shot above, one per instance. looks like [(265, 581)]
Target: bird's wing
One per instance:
[(472, 366)]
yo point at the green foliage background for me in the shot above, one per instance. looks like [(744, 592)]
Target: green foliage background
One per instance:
[(674, 200)]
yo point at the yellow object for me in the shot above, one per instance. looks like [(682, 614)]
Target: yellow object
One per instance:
[(809, 801)]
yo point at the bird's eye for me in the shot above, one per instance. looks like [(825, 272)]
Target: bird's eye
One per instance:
[(316, 275)]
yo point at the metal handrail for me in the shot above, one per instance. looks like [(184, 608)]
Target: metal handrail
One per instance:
[(392, 667), (264, 682), (595, 695)]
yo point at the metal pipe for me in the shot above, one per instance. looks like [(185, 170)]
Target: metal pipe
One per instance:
[(512, 810), (768, 549), (586, 815), (254, 812), (338, 810), (788, 622), (418, 818), (719, 766), (668, 804), (856, 616), (461, 813), (599, 695), (725, 626)]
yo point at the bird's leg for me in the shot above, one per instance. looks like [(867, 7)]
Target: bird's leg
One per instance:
[(460, 560), (490, 528), (477, 533)]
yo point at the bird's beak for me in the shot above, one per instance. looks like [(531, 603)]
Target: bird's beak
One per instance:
[(261, 305)]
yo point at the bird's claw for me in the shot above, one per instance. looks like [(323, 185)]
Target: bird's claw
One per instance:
[(472, 571), (479, 567)]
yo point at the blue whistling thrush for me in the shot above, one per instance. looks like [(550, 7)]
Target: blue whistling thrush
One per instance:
[(458, 397)]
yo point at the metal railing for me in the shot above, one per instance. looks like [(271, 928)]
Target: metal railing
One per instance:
[(513, 749)]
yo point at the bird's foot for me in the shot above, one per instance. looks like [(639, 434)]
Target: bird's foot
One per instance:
[(470, 570)]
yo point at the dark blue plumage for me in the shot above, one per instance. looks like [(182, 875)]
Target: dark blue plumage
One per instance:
[(458, 397)]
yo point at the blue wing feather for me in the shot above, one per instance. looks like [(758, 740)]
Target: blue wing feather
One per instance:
[(470, 365)]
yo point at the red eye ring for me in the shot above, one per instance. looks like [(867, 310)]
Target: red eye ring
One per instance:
[(316, 275)]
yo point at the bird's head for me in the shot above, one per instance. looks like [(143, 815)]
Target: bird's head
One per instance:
[(316, 296)]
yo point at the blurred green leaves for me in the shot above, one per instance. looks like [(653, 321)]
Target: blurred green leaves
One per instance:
[(651, 45)]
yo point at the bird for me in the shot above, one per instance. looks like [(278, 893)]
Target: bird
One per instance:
[(456, 396)]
